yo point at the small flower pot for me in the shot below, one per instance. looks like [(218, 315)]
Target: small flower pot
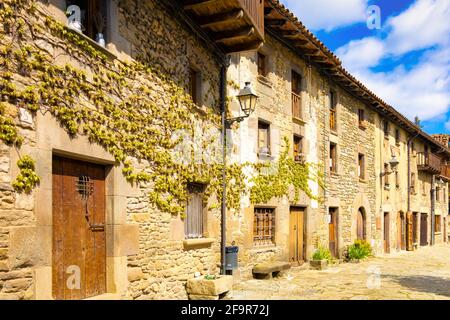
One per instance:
[(319, 264), (100, 39)]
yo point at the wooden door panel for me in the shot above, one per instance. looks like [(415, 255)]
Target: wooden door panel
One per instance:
[(386, 233), (296, 222), (76, 246)]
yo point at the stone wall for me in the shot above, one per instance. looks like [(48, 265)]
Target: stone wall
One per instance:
[(147, 255)]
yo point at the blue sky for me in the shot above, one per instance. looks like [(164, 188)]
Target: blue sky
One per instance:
[(406, 62)]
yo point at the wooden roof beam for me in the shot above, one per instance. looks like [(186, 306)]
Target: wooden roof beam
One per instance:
[(241, 33), (198, 4), (220, 18), (255, 45)]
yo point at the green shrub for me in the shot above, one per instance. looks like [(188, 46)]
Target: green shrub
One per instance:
[(322, 254), (361, 249)]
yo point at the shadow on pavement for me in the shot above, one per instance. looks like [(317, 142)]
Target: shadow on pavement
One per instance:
[(428, 284)]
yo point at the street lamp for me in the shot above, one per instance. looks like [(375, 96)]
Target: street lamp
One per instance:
[(394, 162), (247, 101)]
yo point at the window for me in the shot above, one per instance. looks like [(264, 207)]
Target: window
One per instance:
[(413, 183), (386, 129), (333, 103), (333, 157), (298, 148), (437, 223), (194, 222), (92, 15), (195, 85), (361, 167), (296, 95), (397, 136), (361, 118), (424, 188), (438, 194), (387, 183), (262, 65), (263, 138), (264, 227)]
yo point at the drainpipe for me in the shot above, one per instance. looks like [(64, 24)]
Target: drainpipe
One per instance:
[(433, 207), (223, 109), (409, 213)]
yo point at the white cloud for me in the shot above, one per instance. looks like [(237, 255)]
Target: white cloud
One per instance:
[(422, 25), (362, 53), (328, 14), (422, 90), (447, 125)]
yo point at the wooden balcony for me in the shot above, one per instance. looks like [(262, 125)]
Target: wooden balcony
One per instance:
[(445, 171), (235, 25), (297, 106), (429, 162)]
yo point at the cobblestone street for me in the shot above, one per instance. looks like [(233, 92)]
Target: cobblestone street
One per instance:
[(423, 274)]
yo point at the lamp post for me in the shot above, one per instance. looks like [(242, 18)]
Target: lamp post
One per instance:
[(247, 101)]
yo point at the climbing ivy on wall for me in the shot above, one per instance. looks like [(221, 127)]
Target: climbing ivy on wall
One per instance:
[(130, 109)]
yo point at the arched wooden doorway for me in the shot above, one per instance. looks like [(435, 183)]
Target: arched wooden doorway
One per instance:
[(361, 224)]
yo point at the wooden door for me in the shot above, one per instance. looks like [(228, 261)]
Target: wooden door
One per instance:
[(333, 232), (414, 227), (79, 251), (360, 225), (403, 231), (387, 246), (445, 230), (423, 229), (296, 241)]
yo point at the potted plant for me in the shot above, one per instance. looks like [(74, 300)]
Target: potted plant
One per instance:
[(100, 22), (320, 258), (358, 251)]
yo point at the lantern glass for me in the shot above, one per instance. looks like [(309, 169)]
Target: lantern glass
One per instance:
[(247, 99)]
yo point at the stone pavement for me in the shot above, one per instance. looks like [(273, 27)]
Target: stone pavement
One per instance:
[(420, 275)]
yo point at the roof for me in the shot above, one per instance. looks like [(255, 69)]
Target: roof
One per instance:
[(289, 29)]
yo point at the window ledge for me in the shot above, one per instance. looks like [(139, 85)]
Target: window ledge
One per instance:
[(363, 127), (298, 120), (362, 180), (93, 43), (193, 243), (264, 80), (334, 132), (266, 248), (334, 174)]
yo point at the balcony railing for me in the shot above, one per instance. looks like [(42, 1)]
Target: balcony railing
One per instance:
[(297, 106), (429, 162), (445, 170), (255, 11), (235, 25)]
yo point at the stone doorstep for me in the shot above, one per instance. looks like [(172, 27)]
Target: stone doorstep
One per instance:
[(203, 287), (202, 297), (270, 267)]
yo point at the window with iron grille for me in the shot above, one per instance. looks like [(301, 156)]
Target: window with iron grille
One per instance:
[(296, 95), (264, 227), (332, 104), (194, 221)]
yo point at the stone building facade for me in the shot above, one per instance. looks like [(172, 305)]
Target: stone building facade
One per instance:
[(162, 67), (146, 252)]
